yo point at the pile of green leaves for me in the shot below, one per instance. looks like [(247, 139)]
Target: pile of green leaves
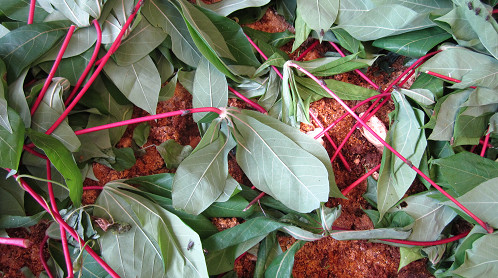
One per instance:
[(155, 226)]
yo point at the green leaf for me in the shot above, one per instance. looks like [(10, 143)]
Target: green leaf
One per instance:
[(398, 219), (482, 259), (423, 97), (201, 177), (381, 233), (210, 88), (163, 14), (481, 200), (302, 31), (472, 68), (16, 221), (320, 14), (4, 117), (11, 143), (343, 90), (70, 68), (283, 263), (72, 11), (50, 109), (226, 7), (349, 10), (63, 160), (17, 99), (268, 250), (173, 153), (431, 217), (347, 41), (142, 40), (18, 10), (234, 207), (385, 20), (331, 65), (81, 41), (263, 155), (408, 255), (139, 82), (11, 198), (157, 243), (141, 133), (464, 171), (22, 46), (413, 44), (406, 136)]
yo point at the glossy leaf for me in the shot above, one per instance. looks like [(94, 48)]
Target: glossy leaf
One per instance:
[(226, 7), (142, 40), (413, 44), (157, 242), (139, 82), (11, 142), (210, 88), (4, 117), (163, 14), (472, 68), (22, 46), (63, 160), (406, 136), (320, 14), (201, 177), (431, 217), (385, 20), (481, 260), (283, 263), (482, 201), (263, 147)]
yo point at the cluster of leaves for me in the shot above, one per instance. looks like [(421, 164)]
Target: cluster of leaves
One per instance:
[(163, 220)]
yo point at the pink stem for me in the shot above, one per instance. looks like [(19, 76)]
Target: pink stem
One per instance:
[(65, 248), (149, 118), (389, 147), (364, 177), (263, 55), (307, 51), (90, 64), (341, 157), (427, 243), (42, 259), (239, 257), (361, 74), (93, 188), (35, 153), (482, 142), (53, 70), (68, 228), (255, 200), (20, 242), (250, 102), (31, 14), (485, 144), (442, 76)]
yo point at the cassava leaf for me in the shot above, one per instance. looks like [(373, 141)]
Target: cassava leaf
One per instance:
[(263, 154), (406, 136), (17, 99), (481, 260), (283, 263), (268, 250), (139, 82), (342, 89), (226, 7), (81, 41), (210, 88), (302, 30), (173, 153), (392, 233), (63, 160), (349, 10), (156, 243), (11, 143), (22, 46), (319, 14), (17, 10), (72, 11)]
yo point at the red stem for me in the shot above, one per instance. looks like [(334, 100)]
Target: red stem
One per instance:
[(149, 118), (53, 70), (249, 101), (42, 258), (361, 74), (263, 55), (341, 157), (485, 144), (427, 243), (33, 152), (90, 64), (20, 242), (93, 188), (255, 200), (307, 51), (65, 248), (364, 177), (341, 102), (31, 14), (447, 78)]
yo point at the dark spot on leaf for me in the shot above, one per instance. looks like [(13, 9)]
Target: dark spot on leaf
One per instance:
[(478, 11), (190, 245), (470, 5), (403, 204)]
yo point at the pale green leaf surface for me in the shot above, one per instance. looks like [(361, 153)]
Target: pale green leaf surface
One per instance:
[(142, 40), (158, 239), (81, 40), (22, 46), (210, 88), (63, 160), (406, 136), (319, 14), (482, 96), (72, 11), (302, 31), (408, 255), (349, 10), (283, 263), (391, 233), (431, 217), (277, 165), (139, 82), (11, 198), (92, 7), (422, 96), (482, 201), (386, 20), (482, 259), (234, 207), (70, 68), (173, 153), (268, 250), (226, 7), (343, 90), (420, 6)]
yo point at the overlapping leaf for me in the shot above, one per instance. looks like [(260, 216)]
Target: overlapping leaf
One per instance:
[(319, 14)]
